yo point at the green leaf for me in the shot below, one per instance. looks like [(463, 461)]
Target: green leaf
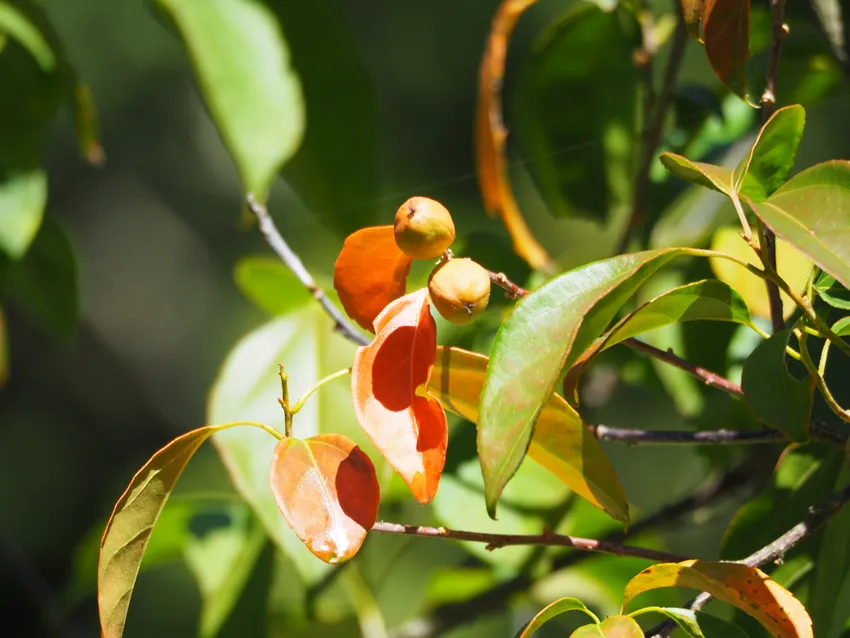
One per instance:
[(551, 610), (545, 334), (771, 157), (242, 66), (17, 25), (696, 624), (717, 178), (45, 281), (4, 351), (132, 522), (805, 475), (22, 200), (812, 212), (709, 300), (833, 566), (248, 387), (561, 443), (773, 396), (222, 560), (269, 284), (613, 627), (336, 171), (842, 327), (582, 51), (833, 293), (726, 31)]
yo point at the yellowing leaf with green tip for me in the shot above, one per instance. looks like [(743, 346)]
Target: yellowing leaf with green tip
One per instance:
[(747, 588), (130, 527), (561, 442)]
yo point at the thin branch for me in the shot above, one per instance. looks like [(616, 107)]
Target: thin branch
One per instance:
[(706, 376), (293, 262), (817, 516), (778, 32), (819, 430), (451, 615), (687, 437), (652, 136), (549, 539)]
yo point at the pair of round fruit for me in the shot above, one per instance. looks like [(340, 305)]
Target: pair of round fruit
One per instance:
[(459, 288)]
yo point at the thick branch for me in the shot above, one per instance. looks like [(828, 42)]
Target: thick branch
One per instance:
[(818, 515), (550, 539), (292, 261)]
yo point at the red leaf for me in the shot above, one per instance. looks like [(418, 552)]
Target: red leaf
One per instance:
[(726, 30), (389, 387), (327, 490), (370, 272)]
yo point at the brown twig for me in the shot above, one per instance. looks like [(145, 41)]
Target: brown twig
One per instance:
[(819, 430), (294, 263), (706, 376), (550, 539), (452, 615), (817, 516), (686, 437), (652, 135)]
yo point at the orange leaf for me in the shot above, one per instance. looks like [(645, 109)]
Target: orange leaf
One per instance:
[(327, 490), (491, 135), (561, 443), (388, 382), (613, 627), (726, 30), (747, 588), (370, 272)]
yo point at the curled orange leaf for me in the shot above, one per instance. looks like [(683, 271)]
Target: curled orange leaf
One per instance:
[(747, 588), (327, 490), (491, 134), (389, 387), (370, 272)]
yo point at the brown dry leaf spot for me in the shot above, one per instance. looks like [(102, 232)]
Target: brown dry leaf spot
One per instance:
[(328, 492), (388, 382), (370, 272), (491, 134), (747, 588)]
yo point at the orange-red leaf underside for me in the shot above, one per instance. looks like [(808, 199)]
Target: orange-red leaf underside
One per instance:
[(328, 492), (389, 380), (370, 272)]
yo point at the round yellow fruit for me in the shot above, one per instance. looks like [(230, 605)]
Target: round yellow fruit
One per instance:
[(460, 290), (423, 228)]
